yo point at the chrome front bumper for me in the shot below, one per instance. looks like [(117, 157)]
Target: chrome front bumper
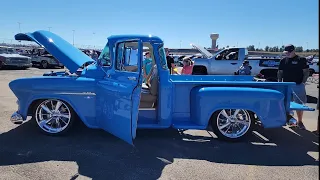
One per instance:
[(16, 118)]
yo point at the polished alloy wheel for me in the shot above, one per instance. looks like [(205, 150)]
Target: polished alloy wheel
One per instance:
[(233, 123), (53, 116)]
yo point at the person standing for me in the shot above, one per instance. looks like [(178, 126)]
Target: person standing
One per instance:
[(170, 61), (294, 68)]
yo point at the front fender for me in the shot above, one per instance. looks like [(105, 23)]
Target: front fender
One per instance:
[(82, 103), (79, 93), (267, 104)]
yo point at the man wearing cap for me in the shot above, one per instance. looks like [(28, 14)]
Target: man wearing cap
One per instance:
[(170, 61), (294, 68)]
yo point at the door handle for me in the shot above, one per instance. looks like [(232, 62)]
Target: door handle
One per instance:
[(233, 63), (132, 78)]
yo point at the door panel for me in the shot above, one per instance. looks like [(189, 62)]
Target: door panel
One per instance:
[(119, 93)]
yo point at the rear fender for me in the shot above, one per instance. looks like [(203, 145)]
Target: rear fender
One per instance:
[(267, 104)]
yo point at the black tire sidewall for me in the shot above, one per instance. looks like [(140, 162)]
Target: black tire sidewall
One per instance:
[(41, 64)]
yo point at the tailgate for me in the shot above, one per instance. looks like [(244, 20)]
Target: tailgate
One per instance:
[(301, 107)]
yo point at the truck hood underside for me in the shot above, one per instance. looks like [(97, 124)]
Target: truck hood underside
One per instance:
[(70, 56)]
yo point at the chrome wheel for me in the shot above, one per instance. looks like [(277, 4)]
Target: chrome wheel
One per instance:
[(53, 116), (233, 123)]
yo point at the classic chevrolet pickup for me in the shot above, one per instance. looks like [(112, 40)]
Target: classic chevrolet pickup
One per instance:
[(110, 94)]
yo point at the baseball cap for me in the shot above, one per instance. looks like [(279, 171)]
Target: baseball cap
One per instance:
[(289, 48), (245, 62)]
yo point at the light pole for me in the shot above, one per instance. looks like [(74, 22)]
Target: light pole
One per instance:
[(19, 27), (49, 28), (93, 38), (307, 45), (73, 37), (180, 44)]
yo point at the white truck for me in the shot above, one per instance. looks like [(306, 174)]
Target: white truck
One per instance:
[(228, 61)]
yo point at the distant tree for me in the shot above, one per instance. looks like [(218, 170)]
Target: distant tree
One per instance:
[(299, 49), (251, 48), (266, 48)]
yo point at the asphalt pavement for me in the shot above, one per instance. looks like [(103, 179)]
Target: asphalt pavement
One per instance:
[(84, 153)]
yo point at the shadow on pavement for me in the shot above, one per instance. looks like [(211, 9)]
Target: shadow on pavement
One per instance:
[(100, 155)]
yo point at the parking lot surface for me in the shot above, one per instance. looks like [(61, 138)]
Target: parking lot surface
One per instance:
[(282, 153)]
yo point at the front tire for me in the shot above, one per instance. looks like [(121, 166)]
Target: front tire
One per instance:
[(232, 124), (53, 117)]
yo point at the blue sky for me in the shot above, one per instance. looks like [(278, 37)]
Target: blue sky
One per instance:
[(242, 22)]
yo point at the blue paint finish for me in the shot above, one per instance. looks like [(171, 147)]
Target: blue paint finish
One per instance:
[(296, 106), (106, 98), (266, 103), (67, 54), (147, 117)]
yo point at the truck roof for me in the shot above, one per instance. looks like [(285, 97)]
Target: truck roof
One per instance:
[(148, 38)]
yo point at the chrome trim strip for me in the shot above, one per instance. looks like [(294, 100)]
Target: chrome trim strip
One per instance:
[(78, 93)]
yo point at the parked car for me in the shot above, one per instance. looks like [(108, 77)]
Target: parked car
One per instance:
[(43, 59), (110, 94), (313, 64), (9, 57)]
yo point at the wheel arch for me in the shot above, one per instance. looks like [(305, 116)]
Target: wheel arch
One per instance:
[(210, 116), (199, 68), (36, 101)]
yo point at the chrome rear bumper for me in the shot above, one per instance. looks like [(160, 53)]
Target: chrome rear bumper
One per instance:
[(16, 118)]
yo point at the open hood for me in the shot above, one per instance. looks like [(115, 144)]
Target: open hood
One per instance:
[(203, 51), (70, 56)]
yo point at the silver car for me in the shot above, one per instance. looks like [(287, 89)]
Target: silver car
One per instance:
[(9, 57)]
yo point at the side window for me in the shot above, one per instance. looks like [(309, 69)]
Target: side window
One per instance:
[(231, 54), (127, 57)]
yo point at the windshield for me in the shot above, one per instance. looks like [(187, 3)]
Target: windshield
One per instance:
[(162, 55), (3, 51), (11, 51), (104, 57)]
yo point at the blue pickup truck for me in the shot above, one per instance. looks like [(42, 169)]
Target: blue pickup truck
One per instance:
[(110, 93)]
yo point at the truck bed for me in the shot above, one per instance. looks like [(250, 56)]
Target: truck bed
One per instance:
[(223, 80)]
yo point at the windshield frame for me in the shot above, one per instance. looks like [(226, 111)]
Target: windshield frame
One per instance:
[(105, 53), (162, 57)]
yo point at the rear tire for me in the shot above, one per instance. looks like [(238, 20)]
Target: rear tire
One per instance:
[(232, 125)]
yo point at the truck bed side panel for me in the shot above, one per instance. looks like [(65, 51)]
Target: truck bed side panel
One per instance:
[(266, 103)]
